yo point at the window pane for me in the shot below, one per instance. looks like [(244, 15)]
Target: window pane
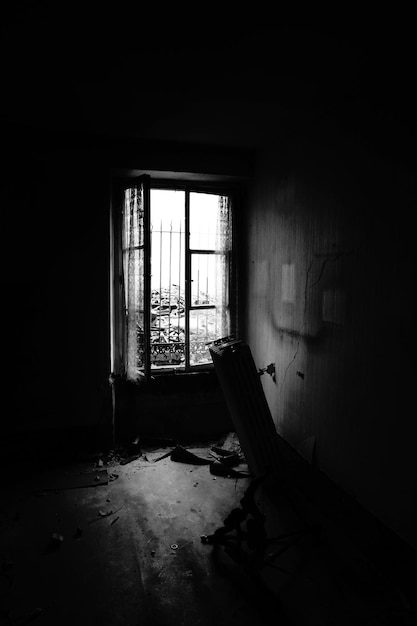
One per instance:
[(207, 325), (204, 210), (167, 329), (203, 277), (167, 278), (202, 330)]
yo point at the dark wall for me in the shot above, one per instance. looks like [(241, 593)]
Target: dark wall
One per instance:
[(185, 408), (54, 255), (330, 285)]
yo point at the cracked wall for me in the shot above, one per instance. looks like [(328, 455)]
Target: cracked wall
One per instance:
[(329, 302)]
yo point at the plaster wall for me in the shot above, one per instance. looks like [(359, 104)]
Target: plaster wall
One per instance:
[(329, 287)]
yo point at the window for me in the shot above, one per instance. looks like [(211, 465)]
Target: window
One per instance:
[(174, 275)]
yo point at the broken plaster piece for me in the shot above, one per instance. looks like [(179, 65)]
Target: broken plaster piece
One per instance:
[(185, 456)]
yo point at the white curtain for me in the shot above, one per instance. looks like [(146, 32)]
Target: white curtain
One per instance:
[(223, 267), (133, 271)]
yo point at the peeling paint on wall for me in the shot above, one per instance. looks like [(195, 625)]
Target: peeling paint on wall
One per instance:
[(288, 283)]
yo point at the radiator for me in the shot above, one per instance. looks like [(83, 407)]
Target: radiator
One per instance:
[(246, 401)]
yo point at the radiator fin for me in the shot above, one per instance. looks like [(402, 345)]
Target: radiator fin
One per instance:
[(248, 406)]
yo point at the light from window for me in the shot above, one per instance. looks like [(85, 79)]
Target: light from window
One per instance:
[(188, 292), (167, 278)]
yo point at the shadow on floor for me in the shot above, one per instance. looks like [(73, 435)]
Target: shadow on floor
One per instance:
[(95, 541)]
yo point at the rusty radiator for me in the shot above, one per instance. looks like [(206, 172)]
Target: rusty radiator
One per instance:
[(245, 398)]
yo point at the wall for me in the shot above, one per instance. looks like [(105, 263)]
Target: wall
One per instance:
[(183, 407), (329, 287), (54, 255)]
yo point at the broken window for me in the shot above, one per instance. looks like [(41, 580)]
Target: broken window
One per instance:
[(174, 276)]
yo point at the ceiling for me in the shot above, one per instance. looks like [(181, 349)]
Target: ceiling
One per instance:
[(95, 76)]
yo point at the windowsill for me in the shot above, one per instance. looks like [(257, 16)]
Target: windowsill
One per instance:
[(169, 382), (197, 369), (166, 373)]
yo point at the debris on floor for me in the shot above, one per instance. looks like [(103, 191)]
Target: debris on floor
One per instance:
[(243, 541), (163, 456), (218, 468), (101, 514), (231, 443), (243, 534), (224, 458), (129, 459), (182, 455)]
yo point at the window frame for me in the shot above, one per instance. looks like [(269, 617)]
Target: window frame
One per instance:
[(119, 183)]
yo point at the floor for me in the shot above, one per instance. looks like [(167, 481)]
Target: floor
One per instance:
[(101, 541)]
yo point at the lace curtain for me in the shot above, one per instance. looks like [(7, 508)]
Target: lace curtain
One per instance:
[(223, 267), (133, 266)]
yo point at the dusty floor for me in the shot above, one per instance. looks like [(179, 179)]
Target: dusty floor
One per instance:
[(128, 550)]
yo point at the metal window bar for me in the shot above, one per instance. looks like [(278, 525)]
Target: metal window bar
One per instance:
[(167, 338), (187, 279), (179, 280)]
